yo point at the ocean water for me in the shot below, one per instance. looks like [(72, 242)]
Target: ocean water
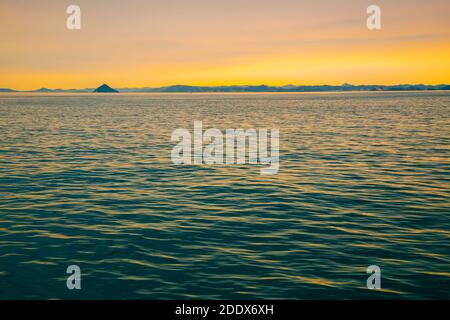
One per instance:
[(87, 180)]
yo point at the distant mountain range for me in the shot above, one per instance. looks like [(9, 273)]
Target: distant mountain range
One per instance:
[(253, 88)]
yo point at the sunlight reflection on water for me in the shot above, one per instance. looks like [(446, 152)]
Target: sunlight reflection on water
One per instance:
[(88, 180)]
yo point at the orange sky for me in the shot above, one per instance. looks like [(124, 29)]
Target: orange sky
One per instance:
[(137, 43)]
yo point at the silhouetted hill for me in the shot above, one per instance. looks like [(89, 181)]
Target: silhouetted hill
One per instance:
[(104, 88), (7, 90), (49, 90)]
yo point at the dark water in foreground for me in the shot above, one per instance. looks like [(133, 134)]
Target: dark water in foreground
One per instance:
[(87, 180)]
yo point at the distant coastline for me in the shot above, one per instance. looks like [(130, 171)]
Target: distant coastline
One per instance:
[(256, 88)]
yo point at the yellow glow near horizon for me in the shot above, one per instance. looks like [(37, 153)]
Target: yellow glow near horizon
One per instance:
[(143, 43)]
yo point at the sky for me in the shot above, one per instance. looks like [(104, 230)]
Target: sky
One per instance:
[(140, 43)]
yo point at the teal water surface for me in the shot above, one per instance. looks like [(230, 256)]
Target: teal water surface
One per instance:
[(87, 179)]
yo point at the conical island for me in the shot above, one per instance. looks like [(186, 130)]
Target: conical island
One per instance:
[(105, 88)]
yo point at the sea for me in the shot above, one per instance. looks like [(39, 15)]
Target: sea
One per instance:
[(87, 180)]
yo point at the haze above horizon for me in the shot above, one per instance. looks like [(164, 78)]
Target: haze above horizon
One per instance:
[(213, 43)]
